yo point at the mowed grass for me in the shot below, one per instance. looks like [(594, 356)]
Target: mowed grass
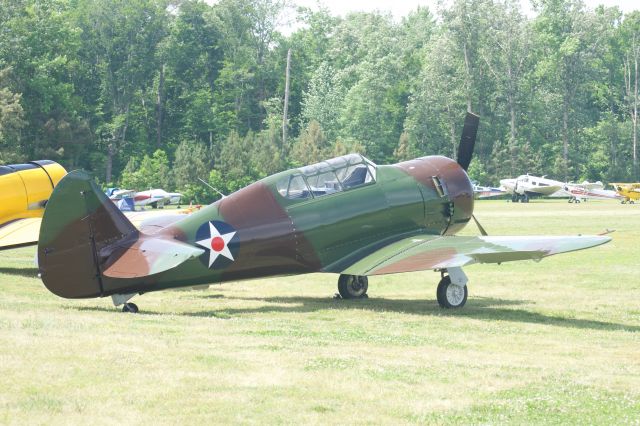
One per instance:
[(554, 342)]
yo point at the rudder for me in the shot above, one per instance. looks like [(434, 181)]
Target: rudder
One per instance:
[(78, 222)]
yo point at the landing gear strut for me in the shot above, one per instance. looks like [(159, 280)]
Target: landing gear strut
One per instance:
[(452, 289), (122, 299), (353, 286)]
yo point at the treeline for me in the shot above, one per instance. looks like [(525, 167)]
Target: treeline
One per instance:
[(149, 93)]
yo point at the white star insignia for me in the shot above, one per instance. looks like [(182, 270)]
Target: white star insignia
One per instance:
[(217, 244)]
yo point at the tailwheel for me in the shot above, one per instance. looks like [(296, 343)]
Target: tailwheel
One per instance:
[(353, 286), (451, 295), (130, 307)]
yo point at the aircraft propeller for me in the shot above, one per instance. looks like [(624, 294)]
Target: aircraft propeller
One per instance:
[(468, 140), (465, 150)]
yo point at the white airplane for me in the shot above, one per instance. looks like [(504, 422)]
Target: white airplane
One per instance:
[(486, 191), (525, 186), (115, 194), (153, 197), (586, 190), (156, 198)]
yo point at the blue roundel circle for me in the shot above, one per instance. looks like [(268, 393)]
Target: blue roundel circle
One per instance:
[(220, 242)]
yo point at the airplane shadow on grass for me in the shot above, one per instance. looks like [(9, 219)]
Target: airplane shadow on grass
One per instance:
[(483, 308), (21, 272)]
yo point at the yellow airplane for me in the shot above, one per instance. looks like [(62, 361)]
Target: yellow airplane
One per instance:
[(630, 191), (24, 192)]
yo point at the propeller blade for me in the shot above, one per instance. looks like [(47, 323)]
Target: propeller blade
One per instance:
[(468, 140), (482, 231)]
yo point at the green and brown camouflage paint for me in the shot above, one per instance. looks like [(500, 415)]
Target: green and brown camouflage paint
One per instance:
[(89, 249)]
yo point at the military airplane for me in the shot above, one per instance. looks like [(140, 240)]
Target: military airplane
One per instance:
[(525, 186), (345, 215), (24, 192), (629, 192)]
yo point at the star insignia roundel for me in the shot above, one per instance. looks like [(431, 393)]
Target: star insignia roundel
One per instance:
[(220, 242)]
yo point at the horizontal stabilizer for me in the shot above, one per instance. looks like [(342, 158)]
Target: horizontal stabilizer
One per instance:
[(147, 256)]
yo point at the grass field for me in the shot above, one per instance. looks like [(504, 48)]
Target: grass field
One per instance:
[(556, 342)]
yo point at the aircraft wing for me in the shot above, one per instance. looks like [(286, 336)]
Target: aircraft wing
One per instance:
[(437, 252), (19, 232)]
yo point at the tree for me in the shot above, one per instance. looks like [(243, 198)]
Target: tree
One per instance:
[(323, 101), (311, 146), (564, 69), (192, 162), (11, 121), (631, 34), (151, 172), (123, 36), (506, 54)]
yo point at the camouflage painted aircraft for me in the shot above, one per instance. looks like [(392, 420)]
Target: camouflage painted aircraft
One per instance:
[(345, 216)]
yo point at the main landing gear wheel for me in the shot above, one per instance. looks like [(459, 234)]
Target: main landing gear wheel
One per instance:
[(353, 286), (451, 295), (130, 307)]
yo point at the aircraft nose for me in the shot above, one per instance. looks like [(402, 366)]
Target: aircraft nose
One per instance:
[(460, 192)]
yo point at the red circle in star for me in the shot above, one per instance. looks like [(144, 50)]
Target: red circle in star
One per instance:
[(217, 244)]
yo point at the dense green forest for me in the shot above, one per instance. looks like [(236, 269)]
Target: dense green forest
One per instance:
[(162, 92)]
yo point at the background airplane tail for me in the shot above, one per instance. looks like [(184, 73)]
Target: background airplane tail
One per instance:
[(78, 226)]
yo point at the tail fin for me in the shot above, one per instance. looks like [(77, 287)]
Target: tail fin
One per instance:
[(78, 223), (88, 247)]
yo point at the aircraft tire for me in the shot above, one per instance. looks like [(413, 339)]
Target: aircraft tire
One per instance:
[(525, 198), (449, 296), (130, 307), (353, 286), (514, 198)]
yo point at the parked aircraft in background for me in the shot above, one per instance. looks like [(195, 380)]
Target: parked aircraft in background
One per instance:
[(24, 192), (629, 192), (152, 197), (345, 215), (525, 186), (115, 194), (584, 191), (486, 191), (156, 198)]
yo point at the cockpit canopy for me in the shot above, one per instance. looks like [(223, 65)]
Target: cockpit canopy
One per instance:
[(328, 177)]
